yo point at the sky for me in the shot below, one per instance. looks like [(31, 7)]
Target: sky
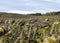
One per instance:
[(29, 6)]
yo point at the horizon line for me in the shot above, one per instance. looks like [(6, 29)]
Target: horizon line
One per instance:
[(26, 12)]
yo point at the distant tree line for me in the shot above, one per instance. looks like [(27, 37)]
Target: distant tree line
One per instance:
[(35, 14), (48, 13), (53, 13), (4, 14)]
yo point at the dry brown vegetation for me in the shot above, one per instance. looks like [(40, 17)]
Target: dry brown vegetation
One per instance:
[(29, 29)]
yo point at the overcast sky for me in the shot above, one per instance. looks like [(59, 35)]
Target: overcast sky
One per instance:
[(25, 6)]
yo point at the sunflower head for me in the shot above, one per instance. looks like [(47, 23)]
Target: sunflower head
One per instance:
[(46, 19), (56, 22)]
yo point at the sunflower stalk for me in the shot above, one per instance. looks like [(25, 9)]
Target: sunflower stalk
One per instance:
[(30, 31), (52, 28)]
